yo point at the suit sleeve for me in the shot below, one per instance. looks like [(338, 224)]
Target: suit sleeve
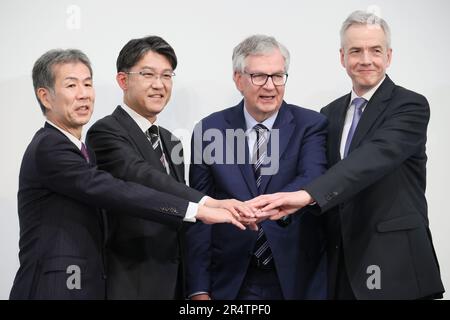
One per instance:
[(312, 160), (399, 137), (198, 235), (63, 170), (116, 155)]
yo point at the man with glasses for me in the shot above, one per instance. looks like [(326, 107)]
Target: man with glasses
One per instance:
[(280, 259), (61, 191), (144, 258), (373, 196)]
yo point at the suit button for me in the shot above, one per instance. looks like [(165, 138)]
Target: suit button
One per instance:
[(337, 247), (104, 276)]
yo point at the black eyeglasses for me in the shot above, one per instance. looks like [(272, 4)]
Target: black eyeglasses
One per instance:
[(260, 79)]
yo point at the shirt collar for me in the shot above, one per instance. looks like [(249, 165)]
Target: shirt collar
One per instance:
[(250, 122), (142, 122), (68, 135), (368, 95)]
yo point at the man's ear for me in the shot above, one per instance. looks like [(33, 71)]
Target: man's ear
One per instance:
[(45, 97), (237, 77), (122, 80), (342, 55)]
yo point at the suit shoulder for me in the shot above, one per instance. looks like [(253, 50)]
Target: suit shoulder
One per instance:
[(47, 141), (218, 117), (400, 92), (337, 102), (108, 123), (301, 113)]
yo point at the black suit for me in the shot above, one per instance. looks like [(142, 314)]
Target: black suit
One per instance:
[(60, 222), (144, 257), (375, 197)]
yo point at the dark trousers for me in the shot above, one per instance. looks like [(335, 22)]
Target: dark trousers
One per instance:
[(260, 284), (344, 289)]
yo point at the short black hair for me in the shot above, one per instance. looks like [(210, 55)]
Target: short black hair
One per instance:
[(135, 49)]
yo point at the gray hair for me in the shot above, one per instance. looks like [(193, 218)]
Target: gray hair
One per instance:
[(43, 72), (363, 17), (257, 45)]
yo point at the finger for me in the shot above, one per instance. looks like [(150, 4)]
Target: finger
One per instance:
[(272, 205), (253, 226), (233, 211), (247, 220), (237, 223), (256, 200), (245, 211), (278, 216)]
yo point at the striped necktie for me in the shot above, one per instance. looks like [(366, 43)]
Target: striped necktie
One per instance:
[(262, 250), (153, 135)]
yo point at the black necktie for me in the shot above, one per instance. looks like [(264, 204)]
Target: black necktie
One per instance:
[(262, 249), (153, 135)]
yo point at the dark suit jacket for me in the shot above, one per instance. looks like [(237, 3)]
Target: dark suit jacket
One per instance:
[(218, 256), (144, 258), (60, 222), (377, 196)]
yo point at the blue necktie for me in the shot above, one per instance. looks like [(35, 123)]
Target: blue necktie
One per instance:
[(358, 103)]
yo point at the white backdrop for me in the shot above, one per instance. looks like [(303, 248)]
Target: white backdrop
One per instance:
[(203, 34)]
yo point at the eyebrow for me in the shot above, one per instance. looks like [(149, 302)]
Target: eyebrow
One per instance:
[(153, 69), (75, 78)]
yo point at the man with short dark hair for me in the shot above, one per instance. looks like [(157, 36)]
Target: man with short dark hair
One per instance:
[(145, 258), (61, 192)]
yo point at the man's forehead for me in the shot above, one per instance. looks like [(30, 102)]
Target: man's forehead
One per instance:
[(71, 70)]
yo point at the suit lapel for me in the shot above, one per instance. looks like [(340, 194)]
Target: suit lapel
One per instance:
[(140, 140), (235, 120), (176, 170), (285, 126), (374, 108), (336, 128)]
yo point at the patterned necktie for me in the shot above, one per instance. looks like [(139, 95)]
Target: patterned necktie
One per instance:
[(259, 151), (262, 249), (84, 152), (153, 135), (358, 103)]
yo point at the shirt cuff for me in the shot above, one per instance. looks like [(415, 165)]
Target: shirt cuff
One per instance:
[(197, 293), (203, 200), (191, 212)]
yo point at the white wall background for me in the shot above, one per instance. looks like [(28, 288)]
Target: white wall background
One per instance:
[(203, 34)]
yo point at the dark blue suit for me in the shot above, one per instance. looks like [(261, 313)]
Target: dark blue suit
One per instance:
[(218, 256), (59, 198)]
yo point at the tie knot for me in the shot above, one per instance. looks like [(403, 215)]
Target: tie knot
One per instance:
[(153, 130), (260, 128), (358, 102)]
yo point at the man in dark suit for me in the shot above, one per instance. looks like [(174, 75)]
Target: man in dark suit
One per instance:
[(144, 258), (61, 191), (379, 242), (275, 147)]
